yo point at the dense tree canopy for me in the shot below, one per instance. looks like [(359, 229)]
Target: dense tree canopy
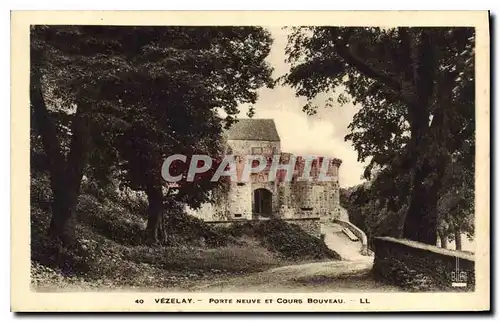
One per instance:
[(129, 96), (416, 90)]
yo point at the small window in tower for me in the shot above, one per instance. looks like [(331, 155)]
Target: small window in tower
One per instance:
[(237, 215), (256, 150), (240, 184)]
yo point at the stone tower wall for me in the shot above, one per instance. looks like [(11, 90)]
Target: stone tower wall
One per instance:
[(290, 200)]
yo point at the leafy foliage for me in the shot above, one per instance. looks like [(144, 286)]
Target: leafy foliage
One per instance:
[(139, 94), (367, 209), (416, 89)]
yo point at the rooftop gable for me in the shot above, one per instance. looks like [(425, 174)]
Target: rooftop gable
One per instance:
[(253, 130)]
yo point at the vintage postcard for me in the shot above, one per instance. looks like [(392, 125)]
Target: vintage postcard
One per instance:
[(250, 161)]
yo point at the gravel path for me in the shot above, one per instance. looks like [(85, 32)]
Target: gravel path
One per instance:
[(333, 276)]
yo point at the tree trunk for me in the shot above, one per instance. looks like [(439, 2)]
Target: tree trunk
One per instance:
[(444, 240), (428, 170), (421, 218), (45, 126), (65, 176), (62, 225), (458, 239), (154, 228), (63, 220)]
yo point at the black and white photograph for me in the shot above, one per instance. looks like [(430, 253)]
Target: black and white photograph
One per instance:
[(252, 163)]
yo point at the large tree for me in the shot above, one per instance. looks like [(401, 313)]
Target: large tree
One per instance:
[(416, 90), (192, 79), (62, 98), (133, 95)]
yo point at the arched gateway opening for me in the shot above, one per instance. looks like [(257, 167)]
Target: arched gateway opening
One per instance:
[(262, 202)]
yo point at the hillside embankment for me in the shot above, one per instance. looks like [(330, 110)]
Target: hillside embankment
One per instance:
[(111, 252)]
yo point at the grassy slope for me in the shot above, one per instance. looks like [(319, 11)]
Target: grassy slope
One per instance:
[(112, 254)]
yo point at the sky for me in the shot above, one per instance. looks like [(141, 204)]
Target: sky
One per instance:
[(321, 134)]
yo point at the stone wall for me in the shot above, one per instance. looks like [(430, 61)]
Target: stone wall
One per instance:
[(244, 147), (296, 199), (240, 201), (289, 200), (420, 267), (314, 199)]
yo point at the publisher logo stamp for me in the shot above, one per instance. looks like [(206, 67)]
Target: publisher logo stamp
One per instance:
[(458, 277)]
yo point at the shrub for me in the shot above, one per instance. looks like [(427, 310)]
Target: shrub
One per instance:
[(289, 240), (182, 228), (110, 220)]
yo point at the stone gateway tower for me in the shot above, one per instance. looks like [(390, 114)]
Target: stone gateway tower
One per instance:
[(266, 196)]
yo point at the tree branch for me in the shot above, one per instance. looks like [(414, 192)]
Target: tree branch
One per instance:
[(345, 53)]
